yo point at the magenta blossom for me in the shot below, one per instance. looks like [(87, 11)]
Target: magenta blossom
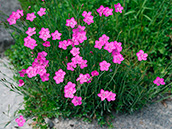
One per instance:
[(75, 51), (46, 44), (21, 83), (118, 8), (30, 16), (104, 39), (100, 10), (82, 78), (22, 72), (159, 81), (71, 66), (103, 94), (58, 78), (94, 73), (141, 55), (77, 59), (107, 12), (31, 31), (45, 77), (61, 72), (88, 19), (109, 47), (71, 22), (44, 34), (20, 121), (41, 12), (98, 44), (117, 58), (63, 44), (56, 35), (83, 64), (111, 96), (85, 14), (77, 100), (104, 66)]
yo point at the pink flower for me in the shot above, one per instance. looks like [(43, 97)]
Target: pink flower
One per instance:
[(31, 72), (75, 51), (41, 12), (82, 78), (141, 55), (41, 70), (109, 47), (73, 41), (107, 12), (117, 58), (85, 14), (71, 22), (118, 8), (22, 72), (56, 35), (41, 54), (104, 66), (94, 73), (45, 77), (88, 19), (80, 28), (77, 100), (77, 59), (31, 31), (111, 96), (83, 64), (44, 34), (71, 65), (46, 44), (98, 44), (69, 93), (81, 36), (100, 10), (19, 12), (159, 81), (58, 78), (88, 78), (103, 94), (21, 83), (69, 86), (63, 44), (104, 39), (30, 42), (30, 16), (69, 90), (20, 121), (61, 72), (12, 19), (117, 49)]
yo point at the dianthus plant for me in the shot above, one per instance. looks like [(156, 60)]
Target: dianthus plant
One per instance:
[(68, 68)]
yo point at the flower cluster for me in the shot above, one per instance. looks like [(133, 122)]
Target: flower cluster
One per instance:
[(106, 95), (15, 16), (39, 67), (88, 18), (20, 121), (59, 76), (105, 11)]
